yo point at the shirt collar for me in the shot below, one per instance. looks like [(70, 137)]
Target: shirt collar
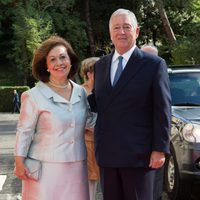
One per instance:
[(126, 55)]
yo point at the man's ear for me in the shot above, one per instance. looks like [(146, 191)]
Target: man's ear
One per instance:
[(137, 31)]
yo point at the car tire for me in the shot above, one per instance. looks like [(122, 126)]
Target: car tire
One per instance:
[(175, 188)]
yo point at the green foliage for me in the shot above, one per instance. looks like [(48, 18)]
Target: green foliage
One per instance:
[(30, 27), (5, 2), (6, 96), (77, 36), (6, 13), (187, 48), (24, 24), (8, 76), (180, 52), (68, 24), (39, 30), (151, 29), (186, 51), (35, 21)]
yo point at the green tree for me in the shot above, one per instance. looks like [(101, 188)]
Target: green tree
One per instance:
[(6, 13), (187, 48), (166, 24), (30, 28), (67, 23), (32, 22), (25, 23)]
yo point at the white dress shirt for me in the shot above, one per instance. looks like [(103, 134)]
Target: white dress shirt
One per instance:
[(115, 61)]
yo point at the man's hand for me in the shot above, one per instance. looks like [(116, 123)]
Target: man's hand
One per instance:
[(157, 159)]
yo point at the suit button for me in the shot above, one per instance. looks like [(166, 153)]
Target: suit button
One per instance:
[(72, 125), (71, 142), (70, 108)]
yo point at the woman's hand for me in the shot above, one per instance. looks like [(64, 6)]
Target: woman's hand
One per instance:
[(20, 170)]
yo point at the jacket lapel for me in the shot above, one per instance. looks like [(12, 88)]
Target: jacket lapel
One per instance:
[(131, 69), (50, 94), (106, 63)]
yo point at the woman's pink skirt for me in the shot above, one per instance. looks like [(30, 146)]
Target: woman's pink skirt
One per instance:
[(59, 181)]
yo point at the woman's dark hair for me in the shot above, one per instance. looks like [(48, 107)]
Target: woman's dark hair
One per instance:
[(39, 66)]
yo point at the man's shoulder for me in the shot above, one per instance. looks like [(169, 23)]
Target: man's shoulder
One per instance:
[(104, 58)]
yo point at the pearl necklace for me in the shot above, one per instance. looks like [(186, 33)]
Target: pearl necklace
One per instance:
[(59, 86)]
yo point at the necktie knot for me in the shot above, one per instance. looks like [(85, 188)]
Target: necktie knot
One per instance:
[(119, 70), (120, 58)]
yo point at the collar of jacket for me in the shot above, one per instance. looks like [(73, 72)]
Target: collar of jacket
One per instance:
[(48, 93)]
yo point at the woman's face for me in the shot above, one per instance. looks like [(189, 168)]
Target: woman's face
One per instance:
[(58, 62)]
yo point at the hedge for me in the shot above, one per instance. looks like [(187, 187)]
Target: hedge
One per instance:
[(6, 96)]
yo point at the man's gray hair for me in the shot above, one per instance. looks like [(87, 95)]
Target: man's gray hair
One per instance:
[(150, 48), (129, 13)]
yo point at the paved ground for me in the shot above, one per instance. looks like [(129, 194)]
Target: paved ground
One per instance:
[(10, 186)]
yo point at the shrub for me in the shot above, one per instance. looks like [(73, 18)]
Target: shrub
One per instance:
[(6, 96)]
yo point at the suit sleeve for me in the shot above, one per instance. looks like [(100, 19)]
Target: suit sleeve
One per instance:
[(162, 109), (92, 97), (92, 102)]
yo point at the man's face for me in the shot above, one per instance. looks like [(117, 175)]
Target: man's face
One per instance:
[(122, 33)]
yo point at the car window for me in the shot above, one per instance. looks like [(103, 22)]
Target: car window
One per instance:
[(185, 88)]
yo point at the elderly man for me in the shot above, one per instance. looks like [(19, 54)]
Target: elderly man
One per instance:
[(132, 98)]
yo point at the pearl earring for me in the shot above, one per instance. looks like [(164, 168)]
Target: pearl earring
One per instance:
[(48, 70)]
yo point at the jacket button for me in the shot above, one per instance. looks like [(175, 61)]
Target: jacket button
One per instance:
[(72, 125)]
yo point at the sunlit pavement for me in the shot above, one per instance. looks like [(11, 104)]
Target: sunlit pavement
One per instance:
[(10, 186), (2, 180)]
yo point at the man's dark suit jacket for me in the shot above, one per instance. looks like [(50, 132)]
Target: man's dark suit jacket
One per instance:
[(134, 116)]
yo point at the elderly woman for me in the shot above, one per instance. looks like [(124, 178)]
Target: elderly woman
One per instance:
[(87, 73), (51, 127)]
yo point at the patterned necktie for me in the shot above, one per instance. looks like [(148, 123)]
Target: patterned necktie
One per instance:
[(119, 70)]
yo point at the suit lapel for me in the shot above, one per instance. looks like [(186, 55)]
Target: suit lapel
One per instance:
[(105, 64), (131, 69)]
